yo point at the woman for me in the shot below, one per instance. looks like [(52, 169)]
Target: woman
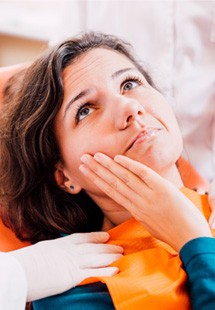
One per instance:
[(90, 96)]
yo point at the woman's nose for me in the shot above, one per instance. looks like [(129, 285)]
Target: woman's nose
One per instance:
[(126, 111)]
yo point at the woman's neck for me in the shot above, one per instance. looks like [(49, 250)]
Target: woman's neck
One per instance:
[(173, 176)]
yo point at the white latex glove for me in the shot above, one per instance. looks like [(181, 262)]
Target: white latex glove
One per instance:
[(211, 198), (13, 284), (54, 266)]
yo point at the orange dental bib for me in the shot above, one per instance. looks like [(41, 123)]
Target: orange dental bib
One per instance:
[(151, 274)]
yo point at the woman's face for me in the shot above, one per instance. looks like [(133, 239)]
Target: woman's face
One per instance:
[(109, 107)]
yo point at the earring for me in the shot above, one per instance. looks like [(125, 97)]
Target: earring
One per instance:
[(71, 187)]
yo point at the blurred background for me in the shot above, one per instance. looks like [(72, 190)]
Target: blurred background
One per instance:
[(173, 39), (25, 29)]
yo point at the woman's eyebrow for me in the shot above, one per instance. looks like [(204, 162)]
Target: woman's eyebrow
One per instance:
[(121, 71), (83, 93)]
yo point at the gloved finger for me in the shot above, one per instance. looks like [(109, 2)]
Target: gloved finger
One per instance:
[(98, 261), (93, 237), (88, 248), (100, 272)]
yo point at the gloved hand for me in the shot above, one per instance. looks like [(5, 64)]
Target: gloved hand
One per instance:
[(54, 266), (211, 198)]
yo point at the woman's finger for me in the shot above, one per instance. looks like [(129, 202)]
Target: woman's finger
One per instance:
[(146, 174), (106, 181), (131, 195), (111, 172), (115, 189), (119, 178), (125, 174)]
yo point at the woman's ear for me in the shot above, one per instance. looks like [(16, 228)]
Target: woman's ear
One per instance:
[(64, 181)]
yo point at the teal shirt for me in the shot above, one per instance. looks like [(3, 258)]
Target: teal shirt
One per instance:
[(87, 297), (198, 257)]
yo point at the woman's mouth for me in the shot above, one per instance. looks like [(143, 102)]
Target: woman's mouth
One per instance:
[(145, 135)]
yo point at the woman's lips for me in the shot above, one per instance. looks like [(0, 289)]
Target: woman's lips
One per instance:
[(144, 135)]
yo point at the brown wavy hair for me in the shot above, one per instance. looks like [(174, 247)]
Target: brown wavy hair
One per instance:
[(32, 204)]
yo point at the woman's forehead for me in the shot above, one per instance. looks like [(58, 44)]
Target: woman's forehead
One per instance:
[(96, 61)]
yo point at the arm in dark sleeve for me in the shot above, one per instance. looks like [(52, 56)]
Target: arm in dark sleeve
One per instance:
[(198, 257)]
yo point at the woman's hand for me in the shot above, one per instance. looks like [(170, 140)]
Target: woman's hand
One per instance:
[(163, 210), (54, 266), (211, 198)]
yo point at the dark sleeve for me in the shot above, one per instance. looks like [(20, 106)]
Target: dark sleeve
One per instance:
[(93, 296), (198, 257)]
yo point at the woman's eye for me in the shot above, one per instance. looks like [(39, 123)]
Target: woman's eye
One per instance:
[(84, 112), (130, 85)]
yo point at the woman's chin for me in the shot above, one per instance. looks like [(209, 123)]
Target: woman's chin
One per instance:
[(158, 163)]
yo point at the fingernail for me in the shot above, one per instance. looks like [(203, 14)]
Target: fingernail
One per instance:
[(83, 169), (99, 156), (85, 158), (118, 158)]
